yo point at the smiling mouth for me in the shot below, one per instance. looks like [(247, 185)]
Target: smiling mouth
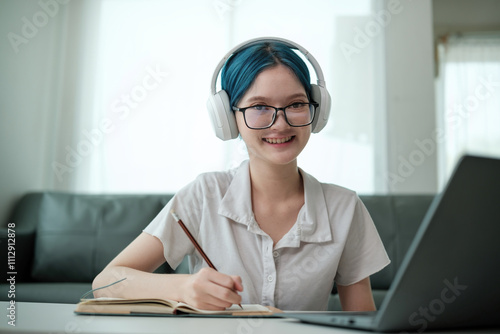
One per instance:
[(278, 140)]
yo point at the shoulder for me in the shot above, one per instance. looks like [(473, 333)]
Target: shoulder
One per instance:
[(219, 177), (341, 200), (334, 190), (331, 192), (215, 182)]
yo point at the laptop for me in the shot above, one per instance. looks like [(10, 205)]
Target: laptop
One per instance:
[(450, 276)]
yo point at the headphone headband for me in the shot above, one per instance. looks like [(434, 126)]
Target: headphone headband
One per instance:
[(309, 57)]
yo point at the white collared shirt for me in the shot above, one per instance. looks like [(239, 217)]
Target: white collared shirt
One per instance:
[(333, 239)]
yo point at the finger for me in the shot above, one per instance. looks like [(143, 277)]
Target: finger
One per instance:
[(234, 283), (225, 294), (222, 279), (238, 283), (210, 302), (213, 289), (230, 285), (205, 296)]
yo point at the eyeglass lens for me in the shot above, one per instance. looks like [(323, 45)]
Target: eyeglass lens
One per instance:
[(298, 114)]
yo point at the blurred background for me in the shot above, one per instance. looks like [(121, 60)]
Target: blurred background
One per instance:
[(109, 96)]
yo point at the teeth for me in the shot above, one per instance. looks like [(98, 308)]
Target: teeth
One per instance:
[(278, 140)]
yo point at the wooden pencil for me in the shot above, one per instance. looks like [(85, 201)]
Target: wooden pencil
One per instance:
[(195, 243)]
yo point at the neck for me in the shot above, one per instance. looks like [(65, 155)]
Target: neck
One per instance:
[(275, 181)]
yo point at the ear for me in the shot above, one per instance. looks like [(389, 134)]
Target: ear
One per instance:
[(221, 116)]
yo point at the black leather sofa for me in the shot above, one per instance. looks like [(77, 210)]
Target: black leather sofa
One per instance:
[(63, 240)]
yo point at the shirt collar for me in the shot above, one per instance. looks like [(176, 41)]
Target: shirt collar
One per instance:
[(237, 202), (312, 224)]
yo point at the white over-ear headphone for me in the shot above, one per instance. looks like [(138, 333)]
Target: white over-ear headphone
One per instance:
[(219, 107)]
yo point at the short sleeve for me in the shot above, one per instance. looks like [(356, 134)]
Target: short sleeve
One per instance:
[(364, 253), (176, 245)]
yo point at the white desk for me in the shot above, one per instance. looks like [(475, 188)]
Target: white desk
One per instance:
[(60, 319)]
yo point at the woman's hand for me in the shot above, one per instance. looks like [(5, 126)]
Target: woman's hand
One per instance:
[(209, 289)]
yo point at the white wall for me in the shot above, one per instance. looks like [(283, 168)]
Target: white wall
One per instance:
[(411, 165)]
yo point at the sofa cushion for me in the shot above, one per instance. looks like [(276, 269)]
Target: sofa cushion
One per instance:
[(380, 209), (41, 292), (397, 218), (78, 235)]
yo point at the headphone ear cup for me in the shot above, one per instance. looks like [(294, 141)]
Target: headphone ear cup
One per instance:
[(322, 97), (222, 117)]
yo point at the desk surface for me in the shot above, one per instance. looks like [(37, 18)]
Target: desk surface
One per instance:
[(59, 318)]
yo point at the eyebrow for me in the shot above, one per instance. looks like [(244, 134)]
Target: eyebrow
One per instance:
[(263, 98)]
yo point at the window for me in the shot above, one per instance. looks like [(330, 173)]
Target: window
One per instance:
[(468, 97), (154, 61)]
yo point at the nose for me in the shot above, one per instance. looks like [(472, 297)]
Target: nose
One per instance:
[(280, 120)]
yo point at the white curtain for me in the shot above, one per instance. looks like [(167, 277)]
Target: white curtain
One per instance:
[(468, 97), (133, 116), (70, 97)]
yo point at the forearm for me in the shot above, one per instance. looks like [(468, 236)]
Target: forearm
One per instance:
[(138, 284), (207, 289)]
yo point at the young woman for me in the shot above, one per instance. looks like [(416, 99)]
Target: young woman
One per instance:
[(277, 236)]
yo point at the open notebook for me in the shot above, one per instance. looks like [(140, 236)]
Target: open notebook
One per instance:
[(158, 307)]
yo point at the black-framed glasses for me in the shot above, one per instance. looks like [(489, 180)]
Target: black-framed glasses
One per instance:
[(260, 117)]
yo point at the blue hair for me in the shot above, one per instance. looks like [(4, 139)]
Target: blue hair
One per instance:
[(242, 68)]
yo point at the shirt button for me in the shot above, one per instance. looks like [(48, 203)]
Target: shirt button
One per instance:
[(276, 254), (270, 278)]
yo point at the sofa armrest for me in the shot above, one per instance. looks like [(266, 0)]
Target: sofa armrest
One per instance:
[(22, 221), (16, 253)]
